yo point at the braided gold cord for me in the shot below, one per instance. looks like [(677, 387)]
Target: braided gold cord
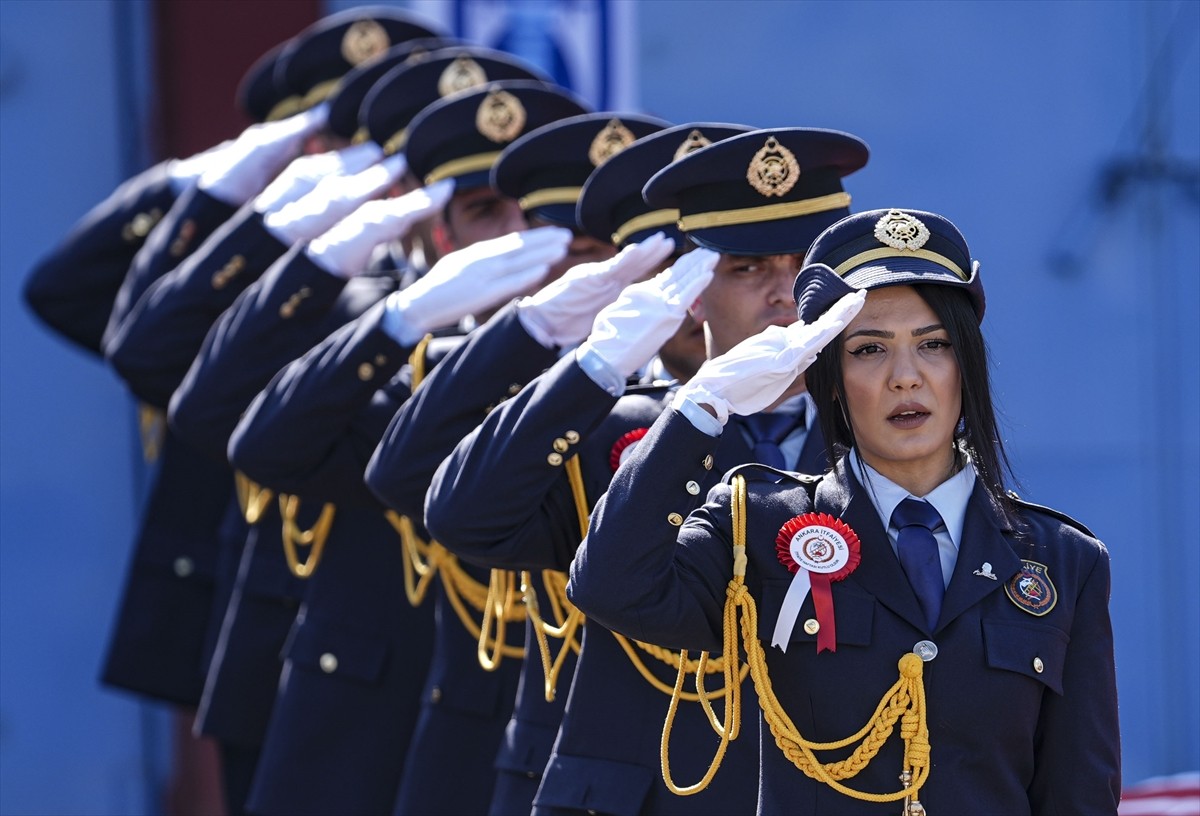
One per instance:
[(252, 498), (565, 631), (294, 537)]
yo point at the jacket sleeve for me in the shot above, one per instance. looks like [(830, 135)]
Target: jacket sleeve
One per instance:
[(313, 428), (275, 320), (163, 333), (72, 288), (502, 498), (643, 570), (497, 360), (1078, 766)]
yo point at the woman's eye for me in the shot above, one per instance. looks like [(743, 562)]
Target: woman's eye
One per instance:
[(866, 350), (936, 345)]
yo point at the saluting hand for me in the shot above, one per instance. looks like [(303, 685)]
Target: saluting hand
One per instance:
[(335, 197), (561, 313), (345, 249), (241, 170), (629, 332), (756, 372), (473, 280), (303, 174)]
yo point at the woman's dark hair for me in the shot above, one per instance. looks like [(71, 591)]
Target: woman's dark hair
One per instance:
[(976, 433)]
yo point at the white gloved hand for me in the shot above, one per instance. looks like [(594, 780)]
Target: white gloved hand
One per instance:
[(473, 280), (302, 175), (345, 249), (183, 173), (241, 171), (757, 371), (629, 332), (334, 198), (561, 313)]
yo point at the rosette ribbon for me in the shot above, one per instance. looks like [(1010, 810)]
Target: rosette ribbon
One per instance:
[(817, 549)]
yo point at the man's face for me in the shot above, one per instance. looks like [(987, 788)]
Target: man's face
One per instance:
[(747, 294), (480, 214), (582, 249)]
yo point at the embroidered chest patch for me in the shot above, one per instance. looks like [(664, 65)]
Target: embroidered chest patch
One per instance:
[(1031, 589)]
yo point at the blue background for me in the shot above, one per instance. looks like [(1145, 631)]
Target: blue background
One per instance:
[(1012, 118)]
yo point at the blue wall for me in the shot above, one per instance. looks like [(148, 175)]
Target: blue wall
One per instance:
[(1004, 116)]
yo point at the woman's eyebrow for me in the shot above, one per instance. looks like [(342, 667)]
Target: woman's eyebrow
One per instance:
[(927, 330)]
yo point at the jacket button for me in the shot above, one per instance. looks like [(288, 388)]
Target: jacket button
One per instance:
[(183, 566), (328, 663), (812, 626), (572, 436), (380, 359), (693, 488), (1038, 665), (435, 695), (708, 462), (925, 649), (366, 371), (560, 445), (675, 519), (555, 459)]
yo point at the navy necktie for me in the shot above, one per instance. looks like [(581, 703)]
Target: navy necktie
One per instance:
[(918, 551), (767, 431)]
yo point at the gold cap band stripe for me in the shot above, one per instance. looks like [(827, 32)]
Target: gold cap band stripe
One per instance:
[(320, 92), (888, 252), (767, 212), (361, 136), (550, 195), (654, 218), (295, 104), (396, 143), (460, 167), (285, 108)]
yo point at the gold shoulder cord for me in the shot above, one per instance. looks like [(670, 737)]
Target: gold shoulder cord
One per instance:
[(424, 561), (904, 701), (574, 619), (252, 498), (294, 537), (151, 428)]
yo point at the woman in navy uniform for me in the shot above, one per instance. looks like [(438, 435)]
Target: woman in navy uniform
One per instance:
[(907, 574)]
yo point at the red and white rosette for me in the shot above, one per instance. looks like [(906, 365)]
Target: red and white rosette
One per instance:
[(624, 447), (818, 549)]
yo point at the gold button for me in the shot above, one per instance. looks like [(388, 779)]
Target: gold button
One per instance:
[(572, 436), (287, 310), (435, 695), (693, 488), (183, 567), (328, 663), (366, 371), (555, 459), (1038, 665), (812, 626), (514, 389), (708, 462), (380, 359), (925, 649), (187, 230), (560, 445), (675, 519)]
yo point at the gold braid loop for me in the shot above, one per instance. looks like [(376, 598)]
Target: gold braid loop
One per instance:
[(152, 427), (294, 537), (252, 498), (903, 702), (501, 606), (568, 618)]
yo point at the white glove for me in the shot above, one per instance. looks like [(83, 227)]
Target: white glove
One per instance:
[(183, 173), (345, 249), (303, 174), (332, 199), (241, 171), (561, 313), (473, 280), (757, 371), (629, 332)]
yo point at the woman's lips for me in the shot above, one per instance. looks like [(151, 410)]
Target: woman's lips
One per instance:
[(908, 417)]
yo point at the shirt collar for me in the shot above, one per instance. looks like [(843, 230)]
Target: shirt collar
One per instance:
[(949, 498)]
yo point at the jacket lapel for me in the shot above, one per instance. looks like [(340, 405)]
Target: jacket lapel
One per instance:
[(879, 571), (983, 541)]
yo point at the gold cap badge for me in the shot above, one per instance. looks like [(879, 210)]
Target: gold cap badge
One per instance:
[(691, 144), (609, 142), (774, 170), (363, 40), (500, 117), (460, 75), (899, 230)]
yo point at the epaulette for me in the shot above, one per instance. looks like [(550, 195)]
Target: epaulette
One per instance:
[(1050, 511), (765, 473)]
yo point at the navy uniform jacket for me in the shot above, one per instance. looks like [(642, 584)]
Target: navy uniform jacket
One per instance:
[(161, 335), (607, 755), (359, 653), (72, 289), (286, 311), (1021, 709)]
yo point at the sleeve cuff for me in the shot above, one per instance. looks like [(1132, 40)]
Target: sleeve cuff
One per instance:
[(599, 371), (396, 327), (701, 420), (533, 326)]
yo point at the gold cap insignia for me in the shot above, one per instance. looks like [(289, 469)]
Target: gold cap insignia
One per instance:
[(609, 142), (899, 230), (774, 170), (460, 75), (501, 116), (691, 144), (363, 40)]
